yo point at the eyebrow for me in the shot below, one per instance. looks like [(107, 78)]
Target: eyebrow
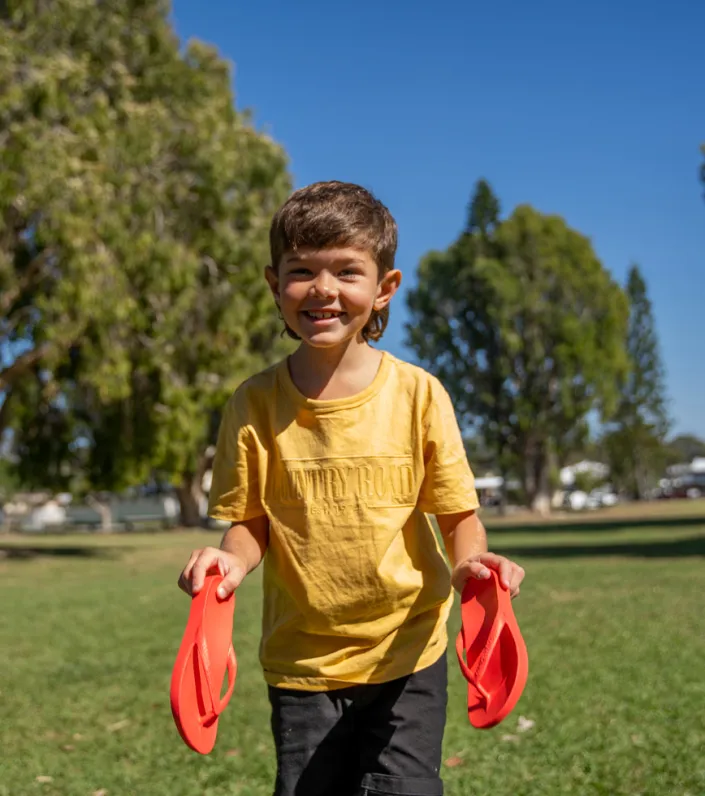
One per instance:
[(295, 258)]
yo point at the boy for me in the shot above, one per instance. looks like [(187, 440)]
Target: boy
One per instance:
[(329, 462)]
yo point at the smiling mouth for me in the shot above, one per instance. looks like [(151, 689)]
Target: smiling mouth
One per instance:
[(322, 315)]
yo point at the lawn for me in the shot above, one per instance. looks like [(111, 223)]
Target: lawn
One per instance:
[(611, 613)]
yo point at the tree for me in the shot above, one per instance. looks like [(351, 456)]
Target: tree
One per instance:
[(134, 207), (525, 327), (685, 448), (635, 441), (645, 392)]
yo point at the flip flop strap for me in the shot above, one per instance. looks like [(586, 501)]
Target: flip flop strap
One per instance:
[(217, 705), (474, 675)]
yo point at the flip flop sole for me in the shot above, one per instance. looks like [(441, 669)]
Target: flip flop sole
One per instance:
[(497, 661), (204, 657)]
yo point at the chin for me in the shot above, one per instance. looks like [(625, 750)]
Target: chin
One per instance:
[(329, 339), (324, 340)]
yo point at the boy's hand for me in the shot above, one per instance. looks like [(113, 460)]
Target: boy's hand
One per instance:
[(510, 574), (212, 560)]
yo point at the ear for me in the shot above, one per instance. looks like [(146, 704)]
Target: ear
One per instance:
[(273, 281), (387, 287)]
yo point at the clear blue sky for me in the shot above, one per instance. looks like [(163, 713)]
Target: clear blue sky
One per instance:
[(592, 110)]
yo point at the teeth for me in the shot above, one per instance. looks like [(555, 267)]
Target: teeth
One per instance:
[(323, 314)]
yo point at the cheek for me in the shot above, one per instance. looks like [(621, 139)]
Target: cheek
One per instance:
[(293, 291), (360, 297)]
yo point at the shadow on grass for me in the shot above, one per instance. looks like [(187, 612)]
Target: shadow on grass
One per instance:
[(677, 548), (29, 552), (606, 524)]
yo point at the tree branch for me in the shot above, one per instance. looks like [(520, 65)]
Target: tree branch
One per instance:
[(8, 298), (5, 411), (23, 363)]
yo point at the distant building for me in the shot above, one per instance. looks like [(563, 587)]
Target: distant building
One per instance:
[(694, 467), (595, 469)]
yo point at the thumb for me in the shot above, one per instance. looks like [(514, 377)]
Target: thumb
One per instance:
[(231, 581), (470, 568)]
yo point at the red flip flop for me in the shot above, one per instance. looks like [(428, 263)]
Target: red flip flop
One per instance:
[(497, 662), (205, 656)]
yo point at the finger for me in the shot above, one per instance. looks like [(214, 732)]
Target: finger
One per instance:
[(192, 560), (518, 575), (477, 569), (230, 582), (223, 566), (206, 560), (506, 571), (503, 566), (184, 584), (184, 581), (516, 581), (469, 569), (492, 560)]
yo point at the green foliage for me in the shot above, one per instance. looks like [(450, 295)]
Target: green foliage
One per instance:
[(134, 208), (586, 481), (636, 455), (525, 328), (635, 442), (645, 392), (8, 480), (685, 448)]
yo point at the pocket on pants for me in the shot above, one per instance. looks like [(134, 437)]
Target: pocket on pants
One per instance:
[(387, 785)]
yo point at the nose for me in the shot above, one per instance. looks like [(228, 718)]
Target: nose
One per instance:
[(323, 286)]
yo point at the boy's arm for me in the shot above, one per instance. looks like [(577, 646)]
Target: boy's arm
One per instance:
[(465, 541), (242, 548)]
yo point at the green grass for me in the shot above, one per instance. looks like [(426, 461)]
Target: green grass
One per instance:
[(611, 612)]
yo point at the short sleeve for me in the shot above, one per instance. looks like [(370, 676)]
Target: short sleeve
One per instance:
[(234, 494), (448, 486)]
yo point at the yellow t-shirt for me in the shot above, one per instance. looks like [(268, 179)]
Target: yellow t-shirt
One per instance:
[(356, 589)]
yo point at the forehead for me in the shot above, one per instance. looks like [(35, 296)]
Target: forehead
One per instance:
[(329, 257)]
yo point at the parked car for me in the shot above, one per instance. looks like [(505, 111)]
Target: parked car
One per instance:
[(601, 497), (691, 486)]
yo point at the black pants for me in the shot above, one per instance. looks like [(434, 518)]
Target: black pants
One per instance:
[(366, 739)]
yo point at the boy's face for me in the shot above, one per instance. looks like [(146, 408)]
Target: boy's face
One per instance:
[(327, 296)]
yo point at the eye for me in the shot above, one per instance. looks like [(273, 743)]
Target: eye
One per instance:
[(300, 271), (349, 273)]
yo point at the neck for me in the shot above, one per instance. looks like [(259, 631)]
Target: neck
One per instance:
[(315, 370)]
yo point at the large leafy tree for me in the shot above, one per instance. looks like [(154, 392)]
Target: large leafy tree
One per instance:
[(525, 328), (685, 448), (134, 206), (635, 443)]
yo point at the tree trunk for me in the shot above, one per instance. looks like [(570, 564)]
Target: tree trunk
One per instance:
[(191, 498), (105, 512), (536, 477), (641, 476), (503, 467), (634, 479), (503, 500), (5, 411), (541, 503)]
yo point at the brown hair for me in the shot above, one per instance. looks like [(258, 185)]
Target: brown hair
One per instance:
[(328, 214)]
